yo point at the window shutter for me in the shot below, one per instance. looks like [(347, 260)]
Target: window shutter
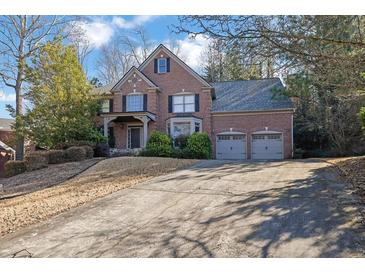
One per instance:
[(124, 103), (170, 103), (197, 108), (144, 102), (155, 65), (168, 64), (110, 105)]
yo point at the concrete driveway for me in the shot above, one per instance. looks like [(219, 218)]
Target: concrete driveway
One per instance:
[(214, 209)]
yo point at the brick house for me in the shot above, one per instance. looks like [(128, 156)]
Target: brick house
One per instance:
[(6, 135), (243, 118)]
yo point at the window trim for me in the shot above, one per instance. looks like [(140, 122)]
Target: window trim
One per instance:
[(192, 120), (105, 104), (183, 103), (158, 65), (129, 96)]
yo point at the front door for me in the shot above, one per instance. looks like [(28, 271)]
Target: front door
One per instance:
[(134, 137)]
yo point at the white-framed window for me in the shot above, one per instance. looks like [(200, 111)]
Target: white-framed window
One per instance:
[(105, 106), (183, 126), (183, 103), (162, 65), (135, 102)]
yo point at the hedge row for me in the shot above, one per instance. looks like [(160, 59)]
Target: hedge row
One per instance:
[(41, 159), (196, 146)]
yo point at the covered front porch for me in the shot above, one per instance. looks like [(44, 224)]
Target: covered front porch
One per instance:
[(130, 130)]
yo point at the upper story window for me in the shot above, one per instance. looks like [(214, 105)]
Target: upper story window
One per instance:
[(183, 103), (105, 106), (162, 65), (135, 102)]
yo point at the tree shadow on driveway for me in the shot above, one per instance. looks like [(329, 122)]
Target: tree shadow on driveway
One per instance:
[(280, 209), (312, 217)]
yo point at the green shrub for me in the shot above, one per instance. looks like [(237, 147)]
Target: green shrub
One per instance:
[(13, 168), (89, 151), (56, 156), (102, 150), (36, 160), (181, 153), (75, 144), (181, 141), (199, 146), (159, 144), (299, 153), (74, 154)]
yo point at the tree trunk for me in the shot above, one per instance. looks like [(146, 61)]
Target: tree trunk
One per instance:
[(19, 147)]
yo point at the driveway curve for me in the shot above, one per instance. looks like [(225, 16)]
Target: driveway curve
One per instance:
[(298, 208)]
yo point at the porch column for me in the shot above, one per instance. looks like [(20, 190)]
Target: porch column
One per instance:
[(106, 122), (144, 120), (145, 128)]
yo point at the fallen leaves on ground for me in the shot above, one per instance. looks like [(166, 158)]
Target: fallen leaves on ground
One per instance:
[(105, 177), (353, 169), (39, 179)]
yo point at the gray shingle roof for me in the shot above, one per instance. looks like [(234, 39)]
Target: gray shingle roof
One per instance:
[(104, 90), (249, 95)]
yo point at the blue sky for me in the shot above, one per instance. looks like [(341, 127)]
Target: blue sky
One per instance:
[(101, 30)]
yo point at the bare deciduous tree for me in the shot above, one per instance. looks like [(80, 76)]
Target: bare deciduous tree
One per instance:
[(127, 50), (138, 44), (79, 39), (20, 38), (113, 63)]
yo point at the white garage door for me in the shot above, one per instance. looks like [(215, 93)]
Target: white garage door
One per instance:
[(231, 147), (267, 146)]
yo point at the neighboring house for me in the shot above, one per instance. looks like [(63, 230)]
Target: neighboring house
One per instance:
[(6, 152), (243, 118), (6, 131)]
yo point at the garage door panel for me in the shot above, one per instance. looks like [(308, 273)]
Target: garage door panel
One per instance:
[(267, 146), (231, 147)]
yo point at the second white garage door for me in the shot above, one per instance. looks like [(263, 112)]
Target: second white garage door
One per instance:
[(231, 147), (267, 146)]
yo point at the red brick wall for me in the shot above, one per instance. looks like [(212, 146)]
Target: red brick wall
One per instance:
[(179, 79), (174, 82), (5, 136), (248, 124)]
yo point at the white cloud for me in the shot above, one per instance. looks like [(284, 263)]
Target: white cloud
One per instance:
[(191, 50), (6, 97), (139, 20), (97, 33)]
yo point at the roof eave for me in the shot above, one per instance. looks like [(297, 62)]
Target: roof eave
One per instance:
[(254, 111)]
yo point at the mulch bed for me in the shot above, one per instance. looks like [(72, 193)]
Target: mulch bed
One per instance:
[(43, 178), (103, 178)]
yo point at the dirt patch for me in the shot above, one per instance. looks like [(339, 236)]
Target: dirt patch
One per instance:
[(39, 179), (105, 177)]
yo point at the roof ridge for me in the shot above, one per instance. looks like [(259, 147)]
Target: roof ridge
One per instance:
[(246, 80)]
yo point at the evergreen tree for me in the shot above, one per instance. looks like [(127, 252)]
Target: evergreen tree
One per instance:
[(62, 107)]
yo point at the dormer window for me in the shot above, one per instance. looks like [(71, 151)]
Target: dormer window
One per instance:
[(162, 65)]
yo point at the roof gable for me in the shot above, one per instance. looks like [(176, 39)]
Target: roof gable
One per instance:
[(151, 57), (132, 70)]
